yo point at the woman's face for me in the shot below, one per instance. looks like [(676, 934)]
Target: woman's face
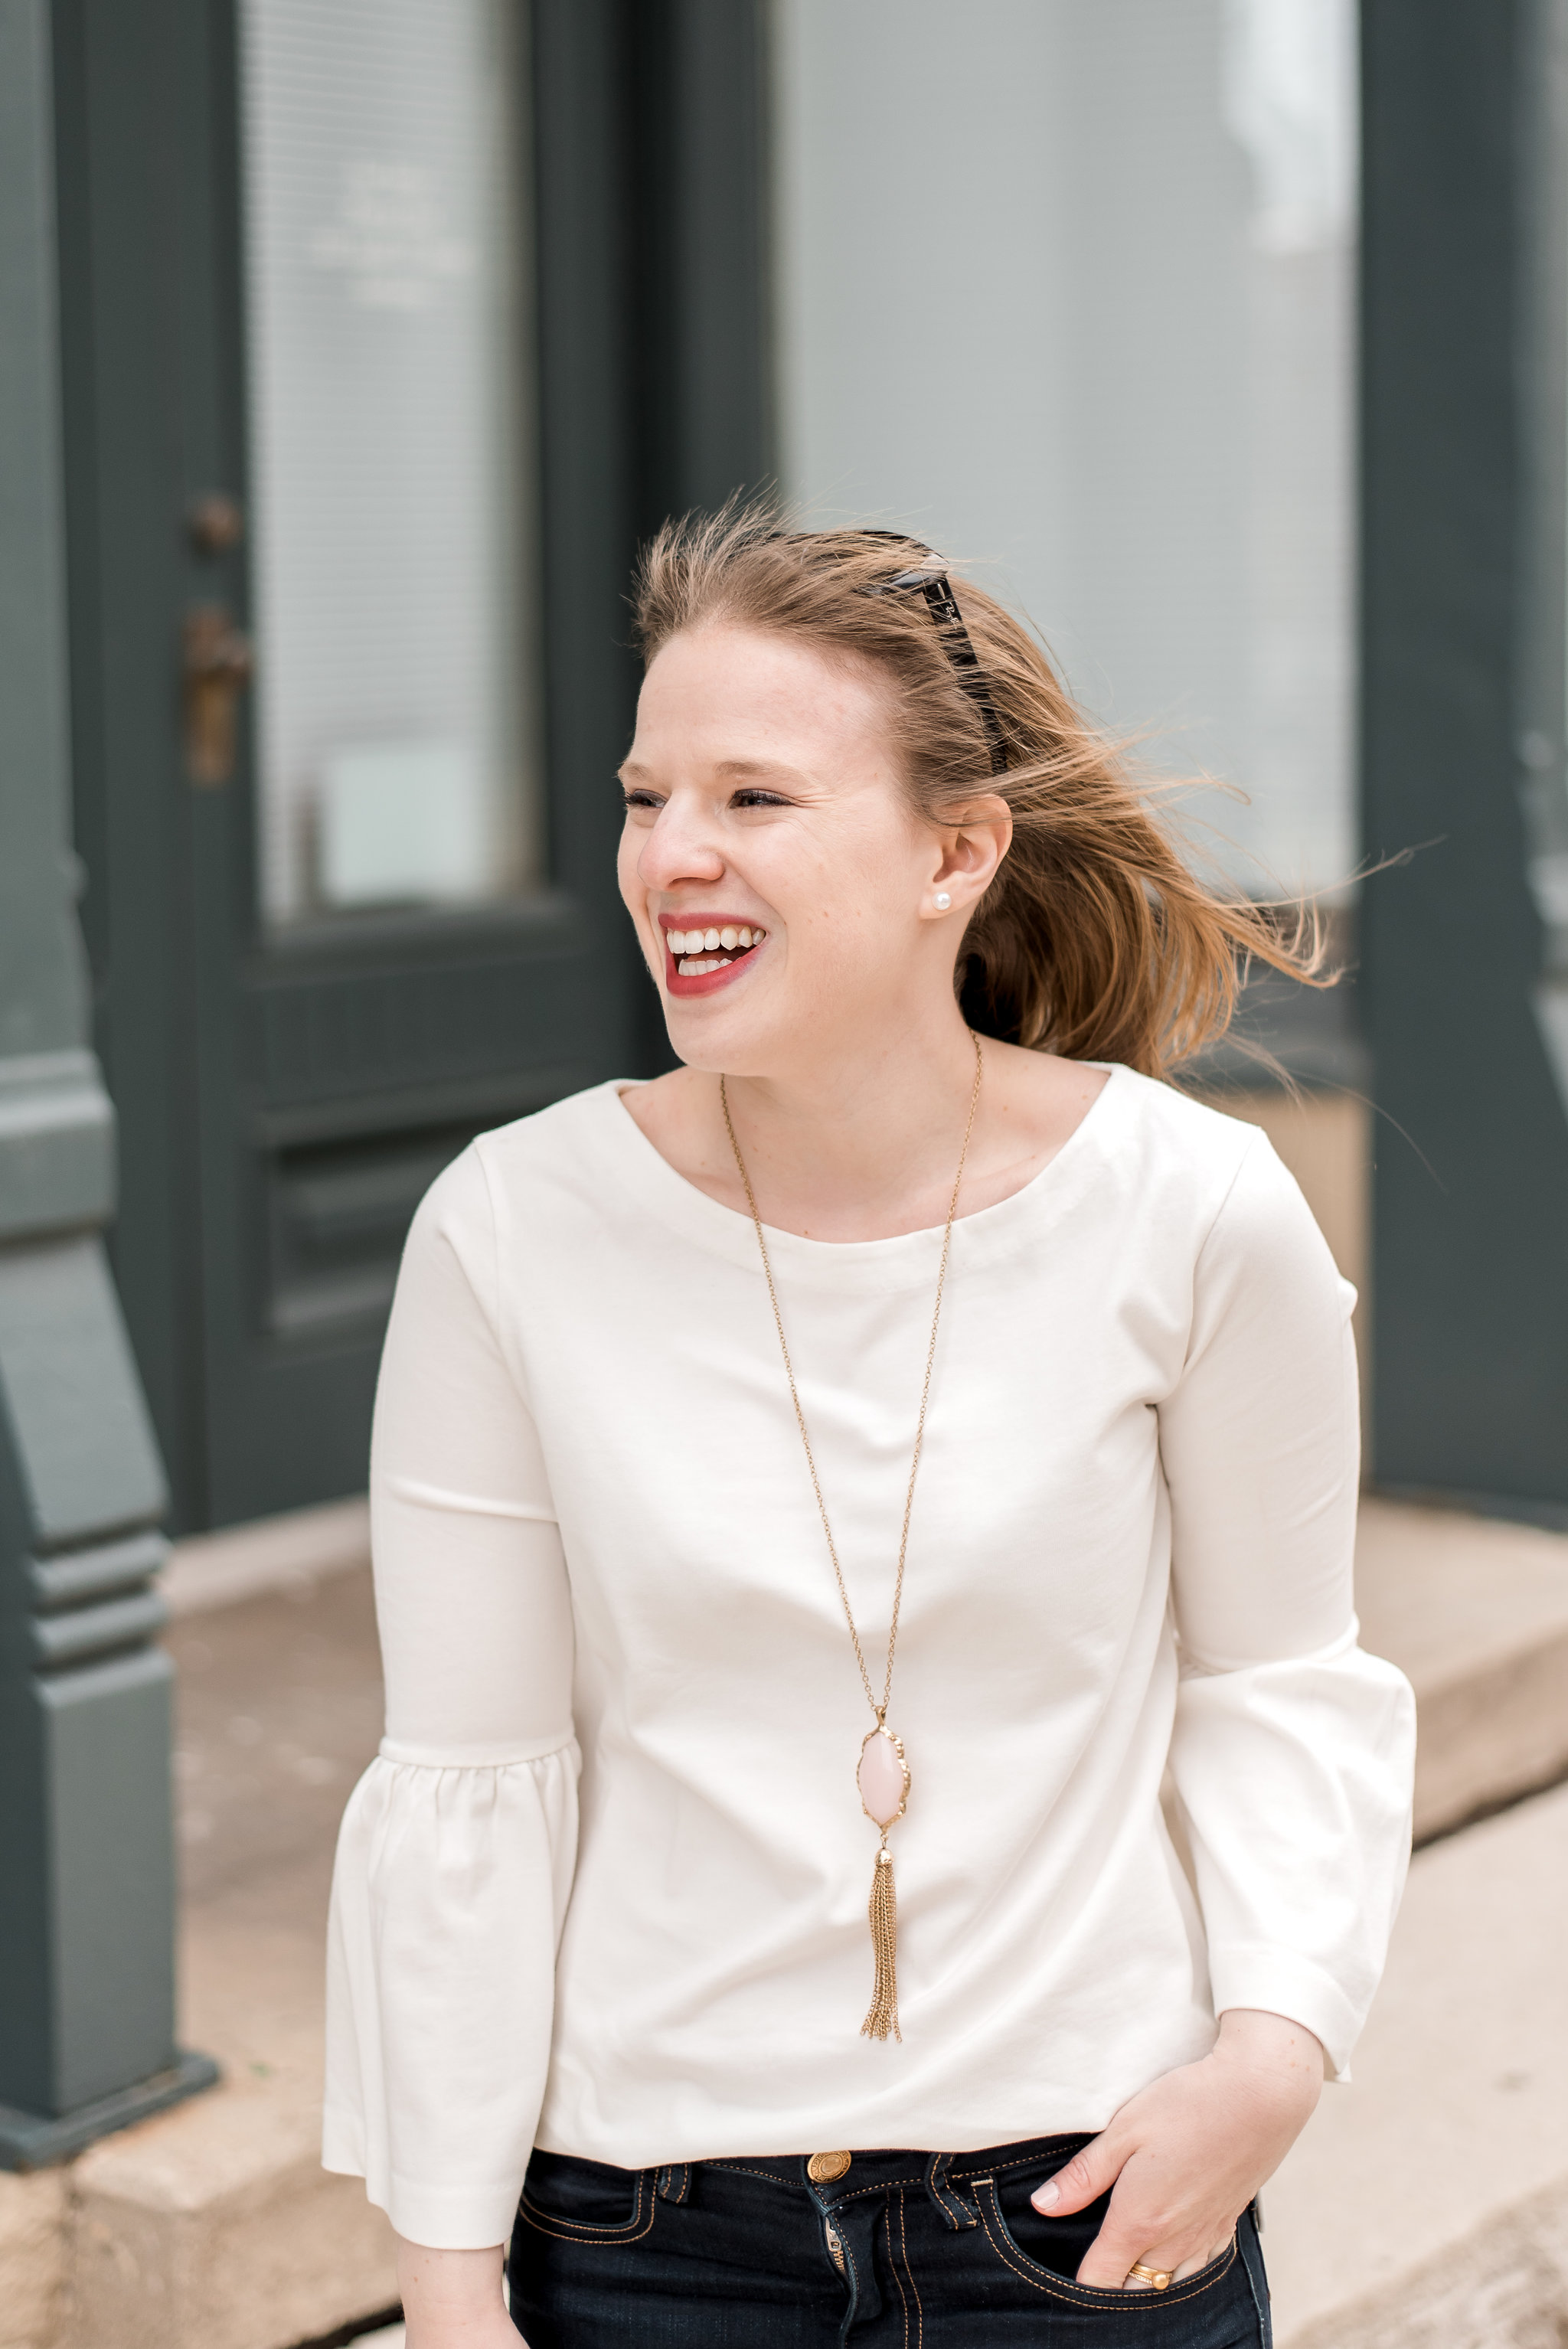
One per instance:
[(782, 886)]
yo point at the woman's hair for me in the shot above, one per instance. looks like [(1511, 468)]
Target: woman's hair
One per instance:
[(1096, 940)]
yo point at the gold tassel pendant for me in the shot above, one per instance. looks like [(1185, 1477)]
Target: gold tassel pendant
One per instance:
[(882, 2015)]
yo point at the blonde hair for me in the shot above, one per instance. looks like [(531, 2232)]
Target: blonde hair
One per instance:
[(1096, 940)]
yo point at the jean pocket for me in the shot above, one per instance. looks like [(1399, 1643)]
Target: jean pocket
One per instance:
[(586, 2201), (1052, 2285)]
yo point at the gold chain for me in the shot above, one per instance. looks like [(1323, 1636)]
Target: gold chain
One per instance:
[(880, 1710)]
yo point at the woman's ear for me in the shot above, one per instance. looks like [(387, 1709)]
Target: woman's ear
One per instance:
[(971, 844)]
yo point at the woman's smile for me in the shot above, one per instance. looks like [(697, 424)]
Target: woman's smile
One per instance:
[(705, 951)]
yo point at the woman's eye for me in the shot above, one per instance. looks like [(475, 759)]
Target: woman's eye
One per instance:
[(635, 798), (757, 798)]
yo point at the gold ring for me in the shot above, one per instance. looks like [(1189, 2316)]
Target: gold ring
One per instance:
[(1159, 2277)]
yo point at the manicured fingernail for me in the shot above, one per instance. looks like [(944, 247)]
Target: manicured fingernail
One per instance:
[(1047, 2197)]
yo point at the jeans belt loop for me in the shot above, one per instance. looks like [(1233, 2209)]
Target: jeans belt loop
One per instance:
[(955, 2208), (675, 2181)]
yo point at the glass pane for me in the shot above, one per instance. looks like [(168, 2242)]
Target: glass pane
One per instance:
[(1069, 290), (391, 452)]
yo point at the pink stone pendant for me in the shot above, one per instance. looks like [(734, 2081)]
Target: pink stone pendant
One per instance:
[(883, 1778)]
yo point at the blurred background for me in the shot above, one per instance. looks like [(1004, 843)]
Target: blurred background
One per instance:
[(347, 348)]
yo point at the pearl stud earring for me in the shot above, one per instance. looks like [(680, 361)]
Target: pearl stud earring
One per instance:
[(943, 901)]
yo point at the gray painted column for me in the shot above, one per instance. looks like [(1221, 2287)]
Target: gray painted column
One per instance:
[(86, 1880), (1464, 946)]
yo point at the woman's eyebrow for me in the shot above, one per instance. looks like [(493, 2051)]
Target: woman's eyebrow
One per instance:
[(757, 767), (731, 768)]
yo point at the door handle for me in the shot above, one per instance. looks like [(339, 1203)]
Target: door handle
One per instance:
[(218, 661)]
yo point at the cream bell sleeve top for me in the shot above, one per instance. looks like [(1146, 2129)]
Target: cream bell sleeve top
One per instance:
[(455, 1860), (1131, 1553)]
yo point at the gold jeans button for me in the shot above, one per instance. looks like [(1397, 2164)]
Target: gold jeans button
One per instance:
[(823, 2167)]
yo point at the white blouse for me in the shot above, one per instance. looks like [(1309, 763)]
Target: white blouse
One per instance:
[(606, 1888)]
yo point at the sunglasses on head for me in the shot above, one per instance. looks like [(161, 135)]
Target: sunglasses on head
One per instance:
[(952, 634)]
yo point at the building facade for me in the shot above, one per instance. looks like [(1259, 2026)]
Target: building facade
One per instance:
[(349, 348)]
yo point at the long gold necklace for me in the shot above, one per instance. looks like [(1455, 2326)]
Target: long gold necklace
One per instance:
[(882, 1776)]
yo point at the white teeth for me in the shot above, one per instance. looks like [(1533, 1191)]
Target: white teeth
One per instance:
[(733, 936), (695, 969)]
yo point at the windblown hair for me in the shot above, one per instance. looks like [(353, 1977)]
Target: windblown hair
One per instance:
[(1097, 939)]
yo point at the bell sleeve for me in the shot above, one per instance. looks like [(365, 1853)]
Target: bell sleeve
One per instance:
[(456, 1853), (1293, 1753)]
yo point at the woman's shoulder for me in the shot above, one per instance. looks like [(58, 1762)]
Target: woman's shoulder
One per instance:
[(1243, 1201), (1176, 1129), (561, 1152)]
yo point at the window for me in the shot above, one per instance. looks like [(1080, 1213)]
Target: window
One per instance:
[(1069, 291), (390, 326)]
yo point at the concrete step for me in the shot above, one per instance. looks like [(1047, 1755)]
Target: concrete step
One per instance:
[(1426, 2206), (1427, 2198), (1476, 1612)]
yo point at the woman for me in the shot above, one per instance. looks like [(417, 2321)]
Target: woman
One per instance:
[(882, 1450)]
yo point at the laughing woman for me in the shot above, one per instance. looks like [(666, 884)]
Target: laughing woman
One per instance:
[(819, 1498)]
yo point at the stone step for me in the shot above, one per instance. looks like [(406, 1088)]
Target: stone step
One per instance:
[(1476, 1612), (1426, 2205)]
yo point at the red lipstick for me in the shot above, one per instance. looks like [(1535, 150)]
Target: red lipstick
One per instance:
[(722, 963)]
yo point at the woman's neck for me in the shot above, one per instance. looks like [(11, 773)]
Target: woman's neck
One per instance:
[(865, 1145), (867, 1140)]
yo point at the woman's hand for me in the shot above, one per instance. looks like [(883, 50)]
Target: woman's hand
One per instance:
[(451, 2300), (1186, 2155)]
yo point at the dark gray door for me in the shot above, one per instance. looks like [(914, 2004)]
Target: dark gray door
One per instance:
[(357, 299)]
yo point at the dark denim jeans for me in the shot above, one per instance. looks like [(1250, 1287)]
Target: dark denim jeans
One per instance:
[(905, 2250)]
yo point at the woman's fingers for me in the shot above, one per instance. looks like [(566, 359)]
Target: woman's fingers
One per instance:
[(1135, 2229), (1152, 2222), (1173, 2257), (1090, 2174)]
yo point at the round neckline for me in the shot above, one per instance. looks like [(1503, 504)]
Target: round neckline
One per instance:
[(706, 1219)]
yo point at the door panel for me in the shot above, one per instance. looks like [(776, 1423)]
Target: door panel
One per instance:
[(400, 708), (292, 1072)]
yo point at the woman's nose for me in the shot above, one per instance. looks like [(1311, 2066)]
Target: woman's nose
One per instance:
[(678, 848)]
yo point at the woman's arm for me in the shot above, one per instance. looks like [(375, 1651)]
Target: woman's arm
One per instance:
[(455, 1861), (1184, 2157), (1292, 1752), (451, 2300)]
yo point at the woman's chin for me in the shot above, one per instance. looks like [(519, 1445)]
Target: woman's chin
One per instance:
[(723, 1032)]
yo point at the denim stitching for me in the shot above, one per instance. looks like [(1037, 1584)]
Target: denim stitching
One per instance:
[(892, 2263), (956, 2212), (851, 2286), (893, 2185), (903, 2247), (1101, 2295), (887, 2186), (739, 2170), (587, 2231), (1019, 2161), (1265, 2315)]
